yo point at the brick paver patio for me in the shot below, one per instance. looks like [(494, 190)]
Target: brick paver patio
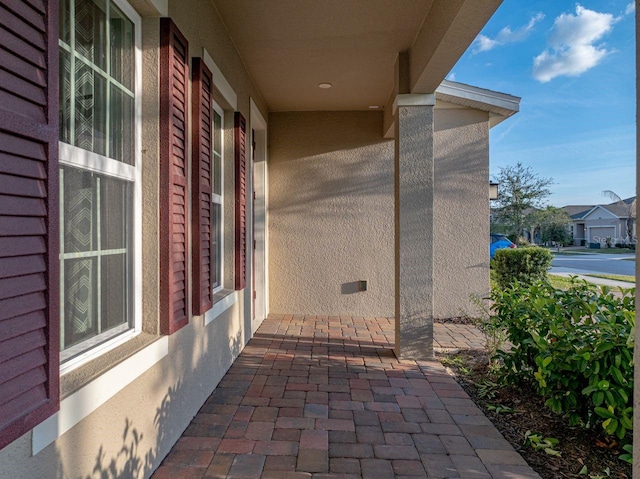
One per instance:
[(450, 337), (325, 397)]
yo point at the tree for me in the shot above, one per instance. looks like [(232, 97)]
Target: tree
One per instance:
[(631, 211), (553, 224), (520, 191)]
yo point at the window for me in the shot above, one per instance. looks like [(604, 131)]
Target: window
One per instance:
[(99, 48), (217, 197)]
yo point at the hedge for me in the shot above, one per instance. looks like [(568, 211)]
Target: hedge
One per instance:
[(524, 265)]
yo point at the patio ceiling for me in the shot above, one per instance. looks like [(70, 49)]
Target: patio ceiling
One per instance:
[(291, 46)]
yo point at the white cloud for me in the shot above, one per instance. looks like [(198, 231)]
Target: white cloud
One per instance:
[(630, 8), (483, 43), (452, 76), (573, 44)]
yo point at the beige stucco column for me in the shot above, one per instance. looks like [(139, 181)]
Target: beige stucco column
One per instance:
[(414, 182)]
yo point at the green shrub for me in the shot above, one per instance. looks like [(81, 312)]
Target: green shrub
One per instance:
[(524, 265), (575, 347)]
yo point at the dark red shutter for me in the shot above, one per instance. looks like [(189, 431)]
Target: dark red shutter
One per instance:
[(174, 75), (29, 277), (202, 221), (240, 139)]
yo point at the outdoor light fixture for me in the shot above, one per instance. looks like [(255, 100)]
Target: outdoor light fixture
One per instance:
[(493, 190), (325, 85)]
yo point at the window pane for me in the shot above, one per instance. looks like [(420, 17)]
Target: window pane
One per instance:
[(115, 287), (121, 126), (65, 96), (80, 300), (217, 152), (122, 47), (217, 174), (91, 31), (96, 257), (115, 202), (216, 261), (217, 132), (90, 111), (65, 21), (79, 214)]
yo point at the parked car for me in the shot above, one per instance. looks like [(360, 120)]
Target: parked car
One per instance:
[(499, 241)]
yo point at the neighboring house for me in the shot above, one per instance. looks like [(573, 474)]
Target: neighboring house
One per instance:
[(172, 171), (601, 223)]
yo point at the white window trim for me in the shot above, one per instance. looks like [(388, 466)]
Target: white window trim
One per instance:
[(224, 89), (220, 307), (74, 156), (220, 83), (76, 407), (219, 199)]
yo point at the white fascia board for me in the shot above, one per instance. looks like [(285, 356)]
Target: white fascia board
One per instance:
[(411, 99), (489, 98), (219, 81), (83, 402)]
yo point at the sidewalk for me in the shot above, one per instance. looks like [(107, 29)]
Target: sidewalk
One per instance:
[(318, 397), (592, 279)]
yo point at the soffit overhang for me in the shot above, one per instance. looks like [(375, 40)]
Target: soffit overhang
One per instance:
[(289, 47), (500, 106)]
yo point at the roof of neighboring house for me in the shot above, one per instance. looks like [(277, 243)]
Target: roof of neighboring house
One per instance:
[(578, 212), (617, 209)]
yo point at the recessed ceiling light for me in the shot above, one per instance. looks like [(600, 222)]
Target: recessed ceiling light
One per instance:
[(373, 107), (325, 86)]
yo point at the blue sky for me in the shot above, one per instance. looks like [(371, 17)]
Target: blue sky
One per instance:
[(573, 65)]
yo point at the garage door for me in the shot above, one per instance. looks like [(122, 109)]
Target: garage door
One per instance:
[(600, 235)]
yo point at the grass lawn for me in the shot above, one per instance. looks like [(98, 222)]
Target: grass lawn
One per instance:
[(560, 282), (564, 282), (615, 277)]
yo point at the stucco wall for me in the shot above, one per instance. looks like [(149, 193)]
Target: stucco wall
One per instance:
[(330, 214), (461, 209), (130, 434)]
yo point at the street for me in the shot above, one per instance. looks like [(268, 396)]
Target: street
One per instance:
[(594, 263)]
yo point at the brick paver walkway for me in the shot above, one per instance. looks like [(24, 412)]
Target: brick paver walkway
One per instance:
[(319, 397), (449, 337)]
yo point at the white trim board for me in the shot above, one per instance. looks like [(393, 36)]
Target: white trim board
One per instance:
[(219, 81), (261, 123), (259, 183), (83, 402), (220, 307)]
